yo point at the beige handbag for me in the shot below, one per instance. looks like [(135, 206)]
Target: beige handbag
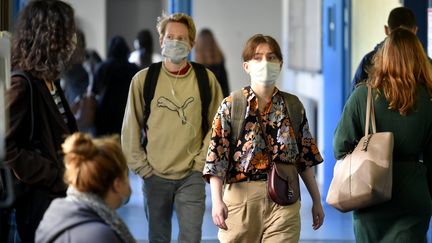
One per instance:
[(364, 177)]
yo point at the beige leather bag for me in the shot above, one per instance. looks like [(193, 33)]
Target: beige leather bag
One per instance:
[(364, 177)]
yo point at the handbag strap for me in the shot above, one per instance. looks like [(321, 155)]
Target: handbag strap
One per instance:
[(370, 112), (267, 149)]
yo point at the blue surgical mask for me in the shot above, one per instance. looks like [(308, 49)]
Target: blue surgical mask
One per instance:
[(127, 198), (175, 50), (265, 73)]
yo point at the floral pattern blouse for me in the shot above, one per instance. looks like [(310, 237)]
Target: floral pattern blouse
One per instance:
[(249, 154)]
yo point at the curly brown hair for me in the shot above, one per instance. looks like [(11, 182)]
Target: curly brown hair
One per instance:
[(42, 42)]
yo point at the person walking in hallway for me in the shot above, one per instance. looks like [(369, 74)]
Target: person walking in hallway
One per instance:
[(242, 154), (143, 54), (401, 81), (166, 131), (208, 53), (111, 86), (398, 17)]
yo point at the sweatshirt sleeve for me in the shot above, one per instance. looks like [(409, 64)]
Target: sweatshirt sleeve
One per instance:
[(349, 129), (217, 97), (132, 132)]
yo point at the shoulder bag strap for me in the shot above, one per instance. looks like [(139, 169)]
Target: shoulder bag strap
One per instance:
[(370, 112)]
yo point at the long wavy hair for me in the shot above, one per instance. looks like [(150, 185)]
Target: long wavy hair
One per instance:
[(207, 50), (43, 40), (399, 66)]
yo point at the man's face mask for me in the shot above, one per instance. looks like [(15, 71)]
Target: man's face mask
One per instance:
[(175, 50), (265, 73)]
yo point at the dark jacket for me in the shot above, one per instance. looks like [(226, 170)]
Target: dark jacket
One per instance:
[(222, 77), (111, 83), (361, 72), (76, 81), (69, 221), (37, 163)]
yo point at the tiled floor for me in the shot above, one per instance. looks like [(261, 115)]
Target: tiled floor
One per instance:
[(337, 227)]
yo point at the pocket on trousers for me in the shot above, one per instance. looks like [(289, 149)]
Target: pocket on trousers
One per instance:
[(234, 195)]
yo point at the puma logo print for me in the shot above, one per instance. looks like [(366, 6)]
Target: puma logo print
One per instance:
[(170, 105)]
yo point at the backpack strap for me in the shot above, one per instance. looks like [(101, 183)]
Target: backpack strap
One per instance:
[(24, 75), (150, 88), (205, 94), (150, 83), (295, 110), (238, 111)]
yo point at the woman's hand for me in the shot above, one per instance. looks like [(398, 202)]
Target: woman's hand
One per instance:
[(219, 214), (308, 178), (317, 215), (219, 208)]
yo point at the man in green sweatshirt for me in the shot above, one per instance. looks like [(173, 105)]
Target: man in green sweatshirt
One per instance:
[(172, 158)]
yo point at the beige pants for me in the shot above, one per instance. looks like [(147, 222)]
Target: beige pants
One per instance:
[(254, 217)]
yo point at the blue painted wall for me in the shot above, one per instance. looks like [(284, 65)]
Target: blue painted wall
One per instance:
[(181, 6), (336, 72)]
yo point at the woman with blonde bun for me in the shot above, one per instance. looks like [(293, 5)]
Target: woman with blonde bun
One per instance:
[(97, 174)]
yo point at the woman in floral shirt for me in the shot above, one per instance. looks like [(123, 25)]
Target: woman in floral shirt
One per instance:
[(246, 213)]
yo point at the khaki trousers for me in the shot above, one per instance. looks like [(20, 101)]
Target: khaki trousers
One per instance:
[(254, 217)]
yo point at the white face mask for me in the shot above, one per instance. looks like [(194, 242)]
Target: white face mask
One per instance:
[(265, 73), (175, 50)]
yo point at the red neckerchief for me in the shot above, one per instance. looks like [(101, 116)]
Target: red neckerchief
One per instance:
[(183, 71)]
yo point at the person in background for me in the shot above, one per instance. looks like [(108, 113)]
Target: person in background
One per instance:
[(176, 134), (401, 82), (75, 79), (92, 60), (143, 55), (111, 85), (398, 17), (39, 115), (76, 83), (97, 175), (208, 53), (245, 164)]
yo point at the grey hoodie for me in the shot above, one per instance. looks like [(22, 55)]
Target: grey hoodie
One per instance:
[(68, 221)]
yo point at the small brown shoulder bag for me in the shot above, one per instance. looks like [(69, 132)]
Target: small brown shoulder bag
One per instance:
[(283, 182)]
